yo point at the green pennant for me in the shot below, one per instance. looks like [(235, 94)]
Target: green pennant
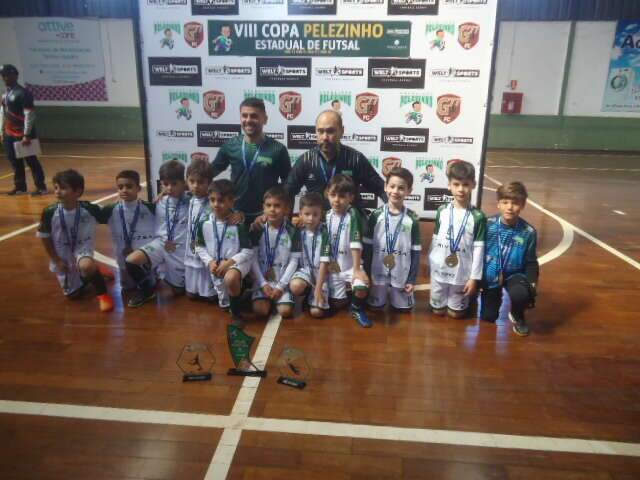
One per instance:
[(239, 344)]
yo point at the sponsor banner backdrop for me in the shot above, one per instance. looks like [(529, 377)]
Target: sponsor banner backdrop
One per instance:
[(622, 91), (410, 79)]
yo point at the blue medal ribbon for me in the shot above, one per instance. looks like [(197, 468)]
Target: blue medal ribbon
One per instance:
[(310, 258), (324, 170), (271, 252), (171, 225), (248, 166), (454, 246), (194, 222), (128, 234), (71, 237), (219, 240), (391, 241), (335, 244)]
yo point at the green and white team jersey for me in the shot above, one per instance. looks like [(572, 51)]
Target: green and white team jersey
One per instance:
[(471, 247), (86, 216), (346, 232), (311, 257), (144, 228), (232, 241), (199, 210), (408, 241), (286, 254)]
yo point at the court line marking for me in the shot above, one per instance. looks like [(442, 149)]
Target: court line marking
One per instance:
[(551, 167), (234, 424), (579, 231)]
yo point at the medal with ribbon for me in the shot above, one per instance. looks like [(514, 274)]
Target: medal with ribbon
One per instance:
[(219, 240), (334, 266), (128, 233), (323, 167), (248, 165), (170, 245), (389, 259), (70, 236), (310, 258), (270, 252), (454, 245), (195, 222)]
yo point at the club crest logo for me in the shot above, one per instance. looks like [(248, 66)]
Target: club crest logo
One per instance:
[(199, 156), (448, 107), (366, 106), (290, 105), (214, 103), (468, 35), (193, 34), (388, 164)]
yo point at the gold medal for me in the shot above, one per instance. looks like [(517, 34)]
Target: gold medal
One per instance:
[(389, 261), (334, 267), (271, 275), (451, 260), (170, 246)]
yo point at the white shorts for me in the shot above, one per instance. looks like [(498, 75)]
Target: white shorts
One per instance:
[(218, 283), (338, 283), (70, 281), (285, 299), (399, 298), (173, 262), (303, 274), (197, 281), (447, 295)]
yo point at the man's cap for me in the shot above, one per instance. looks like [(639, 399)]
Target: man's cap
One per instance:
[(7, 68)]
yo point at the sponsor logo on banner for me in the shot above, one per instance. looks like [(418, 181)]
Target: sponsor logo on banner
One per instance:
[(181, 100), (283, 72), (434, 198), (216, 134), (199, 156), (427, 168), (214, 7), (448, 107), (193, 34), (166, 3), (404, 140), (360, 138), (214, 103), (374, 161), (366, 106), (290, 104), (301, 137), (396, 73), (167, 29), (167, 156), (437, 35), (175, 134), (413, 198), (368, 200), (412, 105), (335, 99), (339, 72), (304, 38), (228, 71), (451, 140), (276, 135), (175, 71), (388, 164), (412, 7), (362, 2), (262, 3), (455, 73), (311, 7), (464, 3), (468, 35), (265, 95)]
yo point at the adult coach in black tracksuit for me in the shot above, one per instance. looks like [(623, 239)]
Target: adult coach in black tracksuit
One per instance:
[(317, 166), (18, 118)]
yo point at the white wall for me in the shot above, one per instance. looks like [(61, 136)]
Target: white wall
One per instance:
[(533, 53), (119, 59), (589, 70)]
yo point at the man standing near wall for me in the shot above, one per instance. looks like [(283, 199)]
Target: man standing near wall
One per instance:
[(17, 115)]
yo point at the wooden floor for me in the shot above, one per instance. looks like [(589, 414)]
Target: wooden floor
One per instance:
[(415, 397)]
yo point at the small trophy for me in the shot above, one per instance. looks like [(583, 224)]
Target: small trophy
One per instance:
[(240, 348), (294, 368), (196, 362)]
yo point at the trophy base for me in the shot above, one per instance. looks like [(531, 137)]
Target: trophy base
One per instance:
[(292, 382), (246, 373), (199, 377)]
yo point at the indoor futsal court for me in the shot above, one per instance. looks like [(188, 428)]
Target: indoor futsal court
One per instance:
[(165, 387)]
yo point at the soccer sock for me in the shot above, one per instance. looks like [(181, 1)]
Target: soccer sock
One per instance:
[(357, 303), (97, 280), (235, 305), (139, 275)]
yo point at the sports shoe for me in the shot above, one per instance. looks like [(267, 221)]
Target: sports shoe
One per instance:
[(520, 326), (38, 192), (140, 297), (361, 317), (106, 302), (15, 191)]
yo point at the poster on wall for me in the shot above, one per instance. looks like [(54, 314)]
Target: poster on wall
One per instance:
[(409, 78), (622, 90), (62, 59)]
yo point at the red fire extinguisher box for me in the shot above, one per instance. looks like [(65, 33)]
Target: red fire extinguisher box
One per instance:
[(511, 102)]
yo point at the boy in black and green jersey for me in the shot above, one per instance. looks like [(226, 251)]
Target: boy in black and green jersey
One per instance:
[(68, 232), (257, 162)]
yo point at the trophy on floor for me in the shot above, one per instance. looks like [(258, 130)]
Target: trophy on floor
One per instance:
[(294, 368), (196, 362), (240, 348)]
